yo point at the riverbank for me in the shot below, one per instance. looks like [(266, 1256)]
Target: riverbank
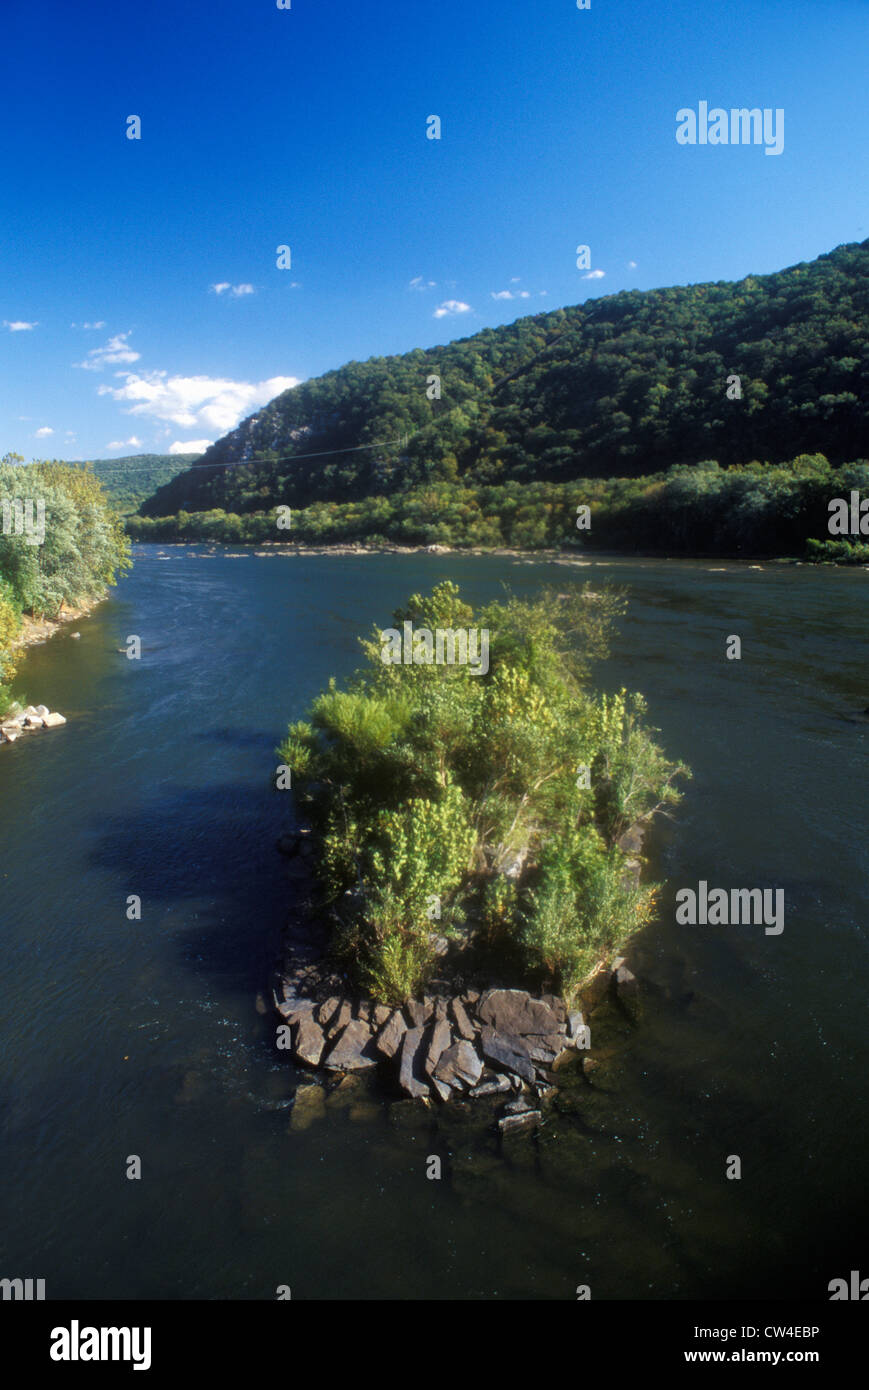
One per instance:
[(35, 631)]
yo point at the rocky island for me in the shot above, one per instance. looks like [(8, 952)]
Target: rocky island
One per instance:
[(472, 855)]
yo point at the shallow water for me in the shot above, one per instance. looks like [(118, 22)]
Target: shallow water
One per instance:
[(124, 1037)]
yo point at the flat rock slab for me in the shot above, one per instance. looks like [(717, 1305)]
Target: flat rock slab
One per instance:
[(353, 1049), (415, 1013), (515, 1012), (308, 1039), (508, 1052), (410, 1079), (462, 1021), (492, 1086), (545, 1049), (340, 1019), (439, 1039), (460, 1065), (389, 1038)]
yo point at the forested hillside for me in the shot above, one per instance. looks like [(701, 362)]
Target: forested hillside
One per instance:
[(623, 386), (129, 480)]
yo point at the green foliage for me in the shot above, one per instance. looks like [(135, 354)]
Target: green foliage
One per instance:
[(428, 783), (746, 510), (129, 480), (81, 553), (838, 552)]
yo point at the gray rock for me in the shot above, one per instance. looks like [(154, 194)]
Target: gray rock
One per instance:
[(462, 1022), (514, 1011), (557, 1006), (438, 1040), (440, 1007), (327, 1010), (415, 1013), (544, 1049), (508, 1052), (389, 1038), (381, 1013), (460, 1065), (575, 1024), (308, 1039), (294, 1009), (53, 721), (362, 1011), (409, 1078), (341, 1019), (519, 1106), (440, 1088), (515, 1124), (353, 1048), (492, 1085)]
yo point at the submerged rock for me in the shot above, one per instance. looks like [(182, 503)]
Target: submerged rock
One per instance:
[(514, 1124)]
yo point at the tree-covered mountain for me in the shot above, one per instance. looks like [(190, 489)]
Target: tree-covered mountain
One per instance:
[(129, 480), (626, 385)]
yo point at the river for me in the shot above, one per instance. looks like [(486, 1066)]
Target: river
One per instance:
[(141, 1037)]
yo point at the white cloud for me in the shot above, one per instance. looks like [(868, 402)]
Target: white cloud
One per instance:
[(502, 294), (236, 291), (131, 443), (514, 279), (19, 325), (632, 265), (43, 432), (100, 324), (451, 306), (116, 350), (190, 446), (594, 275), (195, 402), (419, 282)]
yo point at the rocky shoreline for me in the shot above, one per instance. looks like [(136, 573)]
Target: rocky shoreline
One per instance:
[(35, 631), (32, 718), (451, 1045)]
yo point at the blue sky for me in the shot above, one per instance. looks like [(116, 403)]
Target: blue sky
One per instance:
[(263, 127)]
